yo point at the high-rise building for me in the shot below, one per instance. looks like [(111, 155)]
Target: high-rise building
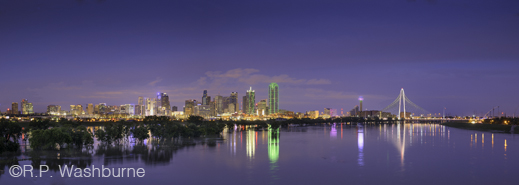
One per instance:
[(139, 108), (218, 100), (245, 105), (212, 107), (14, 108), (230, 109), (361, 99), (233, 99), (151, 108), (174, 108), (100, 108), (327, 111), (127, 109), (208, 99), (202, 110), (225, 103), (140, 101), (354, 111), (76, 110), (54, 109), (189, 107), (273, 98), (90, 109), (262, 108), (27, 107), (204, 98), (164, 102), (251, 102)]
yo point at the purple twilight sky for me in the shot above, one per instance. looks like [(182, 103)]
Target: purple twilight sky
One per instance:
[(458, 54)]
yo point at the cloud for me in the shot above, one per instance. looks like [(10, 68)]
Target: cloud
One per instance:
[(318, 82), (110, 93), (250, 77), (155, 81)]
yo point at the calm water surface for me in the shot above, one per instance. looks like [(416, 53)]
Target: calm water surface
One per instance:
[(330, 154)]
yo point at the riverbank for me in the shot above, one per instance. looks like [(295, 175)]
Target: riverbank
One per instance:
[(482, 127)]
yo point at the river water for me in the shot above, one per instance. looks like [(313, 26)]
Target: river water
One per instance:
[(328, 154)]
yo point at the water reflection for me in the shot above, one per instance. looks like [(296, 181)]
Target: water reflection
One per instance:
[(273, 145), (256, 160), (251, 143), (333, 132), (360, 143), (273, 151)]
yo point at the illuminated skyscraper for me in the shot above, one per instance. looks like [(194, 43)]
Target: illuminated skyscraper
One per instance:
[(53, 109), (327, 111), (233, 99), (218, 100), (204, 98), (139, 108), (127, 109), (273, 98), (27, 107), (14, 108), (76, 110), (361, 99), (262, 108), (90, 109), (251, 102), (189, 107), (245, 105), (151, 107), (164, 102)]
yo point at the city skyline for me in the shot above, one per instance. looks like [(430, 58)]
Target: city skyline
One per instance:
[(321, 54)]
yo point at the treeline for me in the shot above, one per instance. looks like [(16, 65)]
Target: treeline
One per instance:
[(10, 132), (159, 127), (47, 134), (502, 121)]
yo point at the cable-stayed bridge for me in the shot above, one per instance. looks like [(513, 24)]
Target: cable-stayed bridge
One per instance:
[(403, 107)]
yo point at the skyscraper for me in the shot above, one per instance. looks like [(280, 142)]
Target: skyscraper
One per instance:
[(174, 108), (53, 109), (90, 109), (189, 107), (262, 108), (251, 102), (218, 101), (273, 98), (361, 99), (27, 107), (233, 99), (327, 111), (139, 108), (164, 102), (245, 105), (204, 98), (14, 108), (150, 107)]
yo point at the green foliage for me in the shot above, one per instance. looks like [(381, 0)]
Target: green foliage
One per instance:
[(47, 139), (140, 132), (198, 120), (10, 131), (41, 124), (81, 136), (46, 134), (113, 132)]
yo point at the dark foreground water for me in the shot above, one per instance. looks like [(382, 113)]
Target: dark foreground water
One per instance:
[(331, 154)]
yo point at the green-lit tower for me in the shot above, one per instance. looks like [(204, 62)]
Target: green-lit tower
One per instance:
[(251, 102), (273, 98)]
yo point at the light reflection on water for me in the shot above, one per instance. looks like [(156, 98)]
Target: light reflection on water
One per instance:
[(365, 154)]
